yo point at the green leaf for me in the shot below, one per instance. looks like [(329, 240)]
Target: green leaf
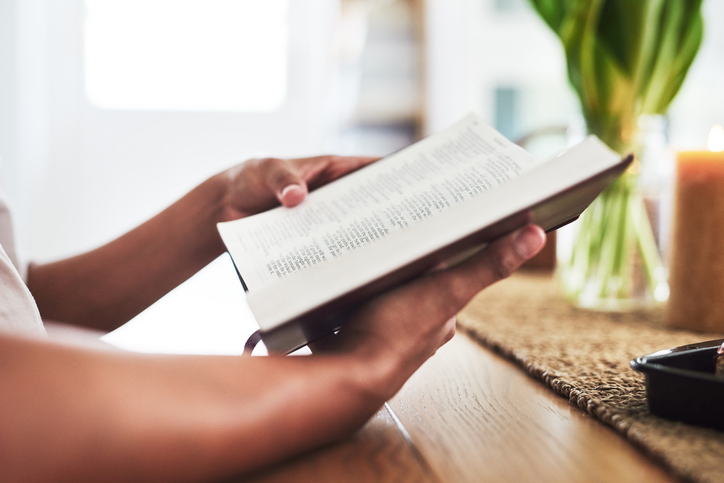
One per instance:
[(618, 31), (624, 57), (552, 11)]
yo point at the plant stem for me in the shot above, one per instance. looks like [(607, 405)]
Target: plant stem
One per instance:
[(614, 238)]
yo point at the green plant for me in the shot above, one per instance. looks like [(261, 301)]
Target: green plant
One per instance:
[(625, 59)]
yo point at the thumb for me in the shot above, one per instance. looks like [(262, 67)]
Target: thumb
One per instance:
[(281, 178), (292, 194)]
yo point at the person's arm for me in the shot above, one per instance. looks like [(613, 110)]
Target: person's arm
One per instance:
[(80, 415), (108, 286)]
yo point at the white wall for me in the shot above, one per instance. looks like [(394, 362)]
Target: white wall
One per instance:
[(79, 175), (472, 48), (700, 103)]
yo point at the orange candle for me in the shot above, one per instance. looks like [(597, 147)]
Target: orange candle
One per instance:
[(696, 279)]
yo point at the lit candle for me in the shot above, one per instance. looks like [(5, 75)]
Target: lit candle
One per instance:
[(697, 246)]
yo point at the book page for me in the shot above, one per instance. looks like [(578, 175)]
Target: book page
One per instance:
[(550, 194), (402, 190)]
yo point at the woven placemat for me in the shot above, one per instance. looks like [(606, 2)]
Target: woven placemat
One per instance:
[(584, 356)]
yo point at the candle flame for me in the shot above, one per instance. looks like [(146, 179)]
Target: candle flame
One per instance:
[(716, 139)]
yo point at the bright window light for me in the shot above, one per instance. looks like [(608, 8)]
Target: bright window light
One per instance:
[(207, 55)]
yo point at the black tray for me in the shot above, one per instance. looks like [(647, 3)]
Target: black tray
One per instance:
[(681, 385)]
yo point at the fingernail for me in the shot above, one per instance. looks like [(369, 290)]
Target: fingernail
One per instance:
[(292, 193), (528, 241)]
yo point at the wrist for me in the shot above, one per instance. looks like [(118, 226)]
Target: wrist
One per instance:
[(219, 195), (199, 211), (376, 367), (377, 373)]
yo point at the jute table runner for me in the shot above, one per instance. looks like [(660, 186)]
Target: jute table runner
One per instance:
[(584, 356)]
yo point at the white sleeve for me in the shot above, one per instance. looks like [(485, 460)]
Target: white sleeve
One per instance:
[(7, 238)]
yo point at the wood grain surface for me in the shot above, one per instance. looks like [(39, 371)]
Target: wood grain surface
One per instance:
[(468, 415), (379, 452), (476, 417)]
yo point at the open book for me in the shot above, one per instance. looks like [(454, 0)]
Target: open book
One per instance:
[(434, 202)]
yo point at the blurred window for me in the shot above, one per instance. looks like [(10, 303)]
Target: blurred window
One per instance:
[(206, 55), (507, 100), (510, 5)]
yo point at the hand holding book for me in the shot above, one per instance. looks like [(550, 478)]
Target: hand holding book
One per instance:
[(405, 326), (439, 200), (260, 184)]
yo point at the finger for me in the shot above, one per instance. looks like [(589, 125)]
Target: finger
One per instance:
[(292, 195), (282, 179), (498, 261), (347, 164), (320, 170)]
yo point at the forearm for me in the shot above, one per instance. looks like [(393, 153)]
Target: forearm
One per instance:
[(80, 415), (71, 414), (107, 286)]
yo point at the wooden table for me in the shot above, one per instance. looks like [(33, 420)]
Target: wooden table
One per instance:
[(470, 416), (466, 416)]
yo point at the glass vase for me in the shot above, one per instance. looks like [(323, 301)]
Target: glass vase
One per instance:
[(612, 257)]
